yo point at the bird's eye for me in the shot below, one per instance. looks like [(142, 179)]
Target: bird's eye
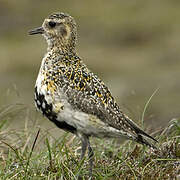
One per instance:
[(52, 24)]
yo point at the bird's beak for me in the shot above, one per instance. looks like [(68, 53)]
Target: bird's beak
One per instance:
[(38, 30)]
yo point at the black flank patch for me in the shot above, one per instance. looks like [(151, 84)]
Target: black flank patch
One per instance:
[(52, 116)]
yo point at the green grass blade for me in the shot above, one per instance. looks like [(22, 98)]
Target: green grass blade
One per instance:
[(49, 153), (146, 106), (32, 149)]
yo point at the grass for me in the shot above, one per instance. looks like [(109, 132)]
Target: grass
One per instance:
[(32, 153), (145, 107)]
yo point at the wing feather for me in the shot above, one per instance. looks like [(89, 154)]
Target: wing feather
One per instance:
[(87, 93)]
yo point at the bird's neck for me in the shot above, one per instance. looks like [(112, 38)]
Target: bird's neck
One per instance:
[(57, 55), (60, 45)]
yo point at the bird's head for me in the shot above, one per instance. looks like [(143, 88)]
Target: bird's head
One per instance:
[(59, 29)]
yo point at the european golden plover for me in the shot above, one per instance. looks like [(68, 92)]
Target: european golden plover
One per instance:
[(73, 97)]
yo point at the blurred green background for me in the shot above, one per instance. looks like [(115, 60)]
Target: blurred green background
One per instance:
[(134, 46)]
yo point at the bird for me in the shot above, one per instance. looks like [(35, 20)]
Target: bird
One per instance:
[(75, 99)]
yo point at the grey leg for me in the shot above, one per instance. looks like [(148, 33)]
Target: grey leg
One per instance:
[(84, 144), (90, 155)]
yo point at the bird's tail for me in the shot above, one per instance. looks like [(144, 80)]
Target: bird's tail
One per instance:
[(141, 135), (140, 139)]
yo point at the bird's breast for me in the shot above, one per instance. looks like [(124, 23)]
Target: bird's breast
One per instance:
[(47, 97)]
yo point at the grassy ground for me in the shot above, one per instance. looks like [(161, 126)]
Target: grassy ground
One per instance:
[(32, 152)]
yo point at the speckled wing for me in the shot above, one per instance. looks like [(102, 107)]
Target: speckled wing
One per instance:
[(87, 93)]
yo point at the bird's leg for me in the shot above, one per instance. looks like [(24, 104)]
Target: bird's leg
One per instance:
[(91, 159), (84, 144)]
